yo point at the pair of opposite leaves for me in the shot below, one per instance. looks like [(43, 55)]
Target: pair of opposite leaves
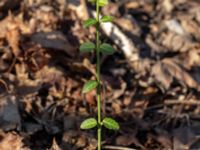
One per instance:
[(93, 21), (107, 122), (104, 48)]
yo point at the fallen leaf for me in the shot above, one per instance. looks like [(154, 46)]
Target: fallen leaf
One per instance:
[(11, 141), (128, 139), (13, 38), (167, 70), (54, 40), (25, 84), (55, 145)]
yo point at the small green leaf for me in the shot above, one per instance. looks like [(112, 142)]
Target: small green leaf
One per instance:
[(106, 19), (89, 22), (87, 47), (90, 85), (107, 49), (110, 124), (89, 123), (103, 2)]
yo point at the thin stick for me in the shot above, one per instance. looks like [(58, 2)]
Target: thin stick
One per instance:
[(178, 102), (117, 148)]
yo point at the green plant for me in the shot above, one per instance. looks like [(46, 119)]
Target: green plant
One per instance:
[(101, 48)]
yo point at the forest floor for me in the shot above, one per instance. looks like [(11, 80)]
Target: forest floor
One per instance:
[(151, 84)]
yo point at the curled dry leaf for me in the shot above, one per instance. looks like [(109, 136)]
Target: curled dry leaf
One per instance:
[(53, 40), (167, 70), (54, 77), (12, 22), (177, 43), (46, 18), (11, 29), (13, 38)]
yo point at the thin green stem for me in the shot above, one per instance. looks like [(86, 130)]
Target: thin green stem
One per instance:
[(98, 77)]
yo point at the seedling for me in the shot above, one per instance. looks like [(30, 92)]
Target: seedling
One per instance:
[(99, 48)]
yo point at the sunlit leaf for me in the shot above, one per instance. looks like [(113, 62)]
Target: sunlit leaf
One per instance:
[(106, 19), (106, 48), (87, 47), (90, 85), (103, 2), (110, 124), (89, 123), (89, 22)]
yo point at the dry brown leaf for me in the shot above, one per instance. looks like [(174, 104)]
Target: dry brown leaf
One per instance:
[(49, 74), (11, 30), (68, 139), (45, 18), (79, 6), (132, 5), (11, 141), (54, 77), (13, 38), (125, 24), (167, 5), (55, 146), (117, 107), (176, 42), (13, 22), (26, 85), (81, 142), (54, 40), (128, 139), (162, 75), (167, 69), (190, 59)]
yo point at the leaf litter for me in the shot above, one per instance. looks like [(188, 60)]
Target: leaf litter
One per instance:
[(152, 81)]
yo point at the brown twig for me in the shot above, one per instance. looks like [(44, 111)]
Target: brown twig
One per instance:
[(177, 102), (117, 147)]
